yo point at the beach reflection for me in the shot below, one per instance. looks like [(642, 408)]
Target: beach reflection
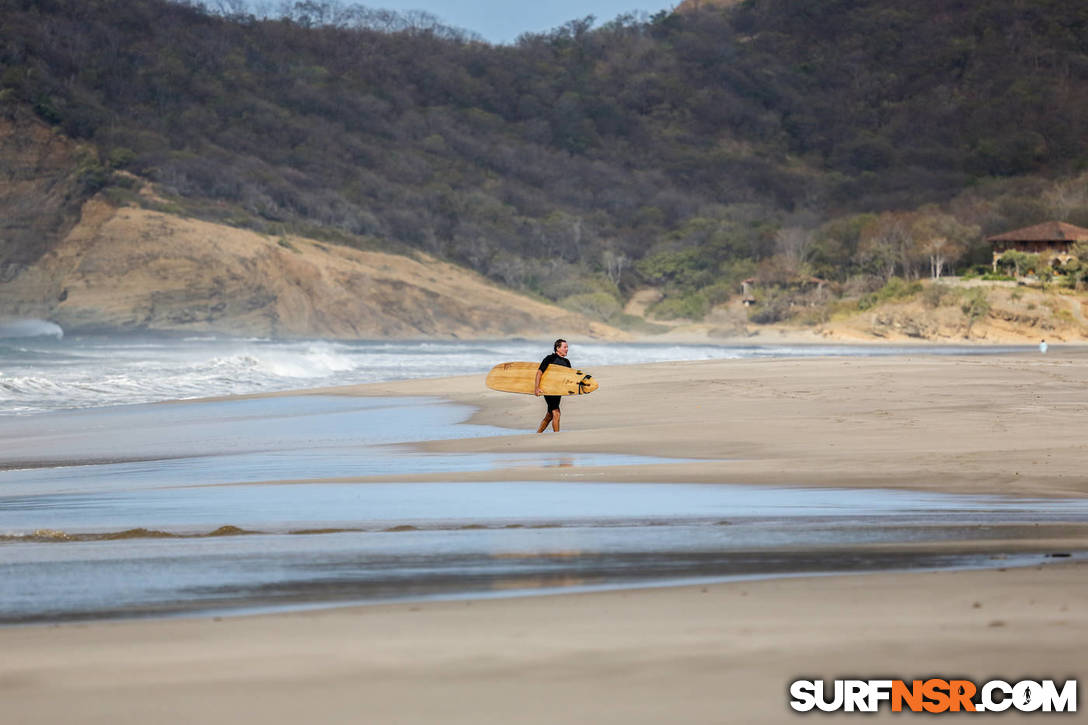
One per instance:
[(418, 541), (164, 510), (288, 438)]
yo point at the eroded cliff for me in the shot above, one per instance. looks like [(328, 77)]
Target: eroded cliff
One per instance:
[(131, 269)]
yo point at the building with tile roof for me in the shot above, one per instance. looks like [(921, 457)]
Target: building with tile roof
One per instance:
[(1054, 240)]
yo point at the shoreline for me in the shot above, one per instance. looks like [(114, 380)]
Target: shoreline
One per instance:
[(1006, 425), (704, 652), (894, 559)]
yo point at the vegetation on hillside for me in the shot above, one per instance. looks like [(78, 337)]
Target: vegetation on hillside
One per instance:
[(850, 140)]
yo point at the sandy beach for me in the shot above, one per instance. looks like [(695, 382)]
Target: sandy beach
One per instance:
[(723, 652), (718, 653), (997, 425)]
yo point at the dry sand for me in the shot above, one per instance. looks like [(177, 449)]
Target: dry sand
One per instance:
[(977, 424), (719, 653)]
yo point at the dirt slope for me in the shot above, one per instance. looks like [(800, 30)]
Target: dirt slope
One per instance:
[(131, 269)]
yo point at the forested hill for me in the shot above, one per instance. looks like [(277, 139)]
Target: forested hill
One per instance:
[(685, 150)]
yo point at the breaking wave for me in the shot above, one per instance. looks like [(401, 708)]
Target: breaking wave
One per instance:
[(30, 328), (47, 371), (52, 376)]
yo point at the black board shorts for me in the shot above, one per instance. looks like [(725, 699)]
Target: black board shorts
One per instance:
[(552, 401)]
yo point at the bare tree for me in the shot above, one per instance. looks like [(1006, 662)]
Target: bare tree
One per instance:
[(883, 244), (1066, 197), (795, 245), (941, 238), (227, 8), (614, 264), (939, 249)]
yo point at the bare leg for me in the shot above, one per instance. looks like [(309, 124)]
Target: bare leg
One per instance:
[(555, 420), (544, 423)]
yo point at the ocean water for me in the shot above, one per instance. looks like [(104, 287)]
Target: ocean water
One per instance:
[(114, 505), (167, 552), (42, 369)]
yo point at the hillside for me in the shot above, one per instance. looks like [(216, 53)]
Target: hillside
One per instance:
[(949, 311), (40, 194), (685, 153), (104, 265), (955, 311), (134, 270)]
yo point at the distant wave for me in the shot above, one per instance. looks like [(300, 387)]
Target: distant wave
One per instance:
[(37, 378), (317, 361), (39, 374), (30, 328)]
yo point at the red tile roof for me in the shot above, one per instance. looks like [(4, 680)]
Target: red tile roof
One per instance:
[(1045, 232)]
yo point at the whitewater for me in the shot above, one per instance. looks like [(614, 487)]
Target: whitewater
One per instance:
[(42, 369)]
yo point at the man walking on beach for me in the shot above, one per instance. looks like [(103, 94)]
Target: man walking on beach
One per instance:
[(558, 357)]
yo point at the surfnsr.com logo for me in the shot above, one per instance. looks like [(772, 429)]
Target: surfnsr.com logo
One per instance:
[(933, 695)]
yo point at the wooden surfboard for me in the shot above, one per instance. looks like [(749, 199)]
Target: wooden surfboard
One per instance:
[(518, 377)]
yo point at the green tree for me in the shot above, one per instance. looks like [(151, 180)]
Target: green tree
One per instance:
[(1018, 262), (975, 306)]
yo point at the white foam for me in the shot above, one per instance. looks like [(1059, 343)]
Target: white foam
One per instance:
[(314, 361), (43, 374), (30, 328)]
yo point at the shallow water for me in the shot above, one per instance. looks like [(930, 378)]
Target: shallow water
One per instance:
[(455, 505), (271, 439), (136, 529), (241, 573)]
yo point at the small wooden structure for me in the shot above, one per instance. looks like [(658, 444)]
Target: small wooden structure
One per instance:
[(1053, 239)]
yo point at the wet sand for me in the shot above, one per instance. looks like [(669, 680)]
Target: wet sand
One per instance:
[(715, 653), (994, 425)]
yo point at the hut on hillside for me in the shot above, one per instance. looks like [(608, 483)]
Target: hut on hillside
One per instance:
[(1053, 239)]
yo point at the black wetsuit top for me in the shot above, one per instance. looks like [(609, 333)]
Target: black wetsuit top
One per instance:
[(553, 359)]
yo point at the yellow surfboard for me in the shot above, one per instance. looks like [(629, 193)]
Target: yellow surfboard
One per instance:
[(518, 377)]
